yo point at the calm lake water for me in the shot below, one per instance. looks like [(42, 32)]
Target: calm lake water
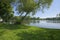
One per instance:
[(53, 24)]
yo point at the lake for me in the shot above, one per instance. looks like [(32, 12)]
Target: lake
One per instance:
[(52, 24)]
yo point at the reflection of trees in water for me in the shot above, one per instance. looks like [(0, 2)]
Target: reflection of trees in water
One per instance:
[(31, 21), (53, 21), (35, 21)]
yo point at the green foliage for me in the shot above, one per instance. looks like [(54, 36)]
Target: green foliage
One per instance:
[(33, 5), (5, 10), (16, 19)]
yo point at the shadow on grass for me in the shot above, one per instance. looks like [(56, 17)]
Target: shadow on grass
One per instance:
[(2, 32), (37, 35), (13, 27)]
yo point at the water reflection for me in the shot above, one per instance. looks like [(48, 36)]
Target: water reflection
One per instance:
[(31, 21), (53, 21), (55, 24), (35, 21)]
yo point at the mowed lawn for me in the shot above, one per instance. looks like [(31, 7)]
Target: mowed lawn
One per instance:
[(23, 32)]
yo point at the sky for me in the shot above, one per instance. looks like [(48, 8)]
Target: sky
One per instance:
[(51, 12)]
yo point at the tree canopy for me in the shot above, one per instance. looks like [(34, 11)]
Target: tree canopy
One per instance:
[(31, 6), (6, 9)]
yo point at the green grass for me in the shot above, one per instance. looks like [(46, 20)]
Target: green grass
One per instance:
[(23, 32)]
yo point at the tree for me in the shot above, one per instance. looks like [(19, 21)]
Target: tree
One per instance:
[(6, 10), (31, 6)]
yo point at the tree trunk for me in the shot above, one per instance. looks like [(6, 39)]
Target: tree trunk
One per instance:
[(22, 19), (21, 13)]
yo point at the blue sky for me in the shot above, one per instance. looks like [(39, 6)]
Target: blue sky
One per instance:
[(51, 12)]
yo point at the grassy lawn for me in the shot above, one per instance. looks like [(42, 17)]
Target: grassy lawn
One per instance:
[(23, 32)]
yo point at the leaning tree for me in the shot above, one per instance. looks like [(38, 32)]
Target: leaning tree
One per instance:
[(31, 6)]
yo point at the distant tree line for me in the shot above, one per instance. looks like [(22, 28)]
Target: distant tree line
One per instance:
[(56, 18)]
